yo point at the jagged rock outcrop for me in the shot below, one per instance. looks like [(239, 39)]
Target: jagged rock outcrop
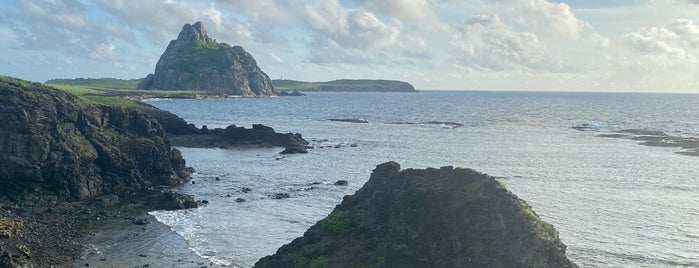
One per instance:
[(235, 136), (194, 61), (443, 217), (51, 143)]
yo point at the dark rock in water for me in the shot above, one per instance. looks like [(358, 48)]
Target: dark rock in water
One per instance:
[(349, 120), (446, 123), (195, 61), (295, 150), (173, 201), (142, 220), (246, 190), (340, 183), (443, 217), (51, 142), (288, 93), (279, 195), (239, 200), (259, 135), (205, 202)]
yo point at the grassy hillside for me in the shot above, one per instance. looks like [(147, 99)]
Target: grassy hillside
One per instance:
[(345, 85), (112, 83), (130, 98)]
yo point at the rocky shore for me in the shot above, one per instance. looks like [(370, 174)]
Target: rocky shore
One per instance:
[(447, 217), (184, 134), (66, 164)]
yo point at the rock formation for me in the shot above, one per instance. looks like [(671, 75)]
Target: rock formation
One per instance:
[(65, 163), (443, 217), (51, 142), (194, 61)]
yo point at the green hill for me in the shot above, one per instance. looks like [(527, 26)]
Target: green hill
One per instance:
[(112, 83), (351, 85)]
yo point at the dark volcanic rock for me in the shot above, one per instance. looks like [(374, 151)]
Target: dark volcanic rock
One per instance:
[(173, 201), (340, 183), (195, 61), (258, 135), (52, 143), (279, 196), (427, 218), (65, 163)]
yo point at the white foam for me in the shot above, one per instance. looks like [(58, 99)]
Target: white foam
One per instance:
[(182, 223)]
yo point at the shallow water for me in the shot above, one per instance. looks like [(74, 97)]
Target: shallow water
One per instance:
[(615, 203)]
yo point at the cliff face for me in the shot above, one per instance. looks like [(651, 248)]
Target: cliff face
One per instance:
[(194, 61), (426, 218), (51, 143)]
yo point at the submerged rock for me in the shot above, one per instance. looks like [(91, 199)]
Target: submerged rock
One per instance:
[(195, 61), (447, 217), (349, 120)]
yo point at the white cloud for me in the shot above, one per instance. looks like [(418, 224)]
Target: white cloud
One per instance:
[(674, 44), (104, 53), (275, 57), (327, 16), (367, 31), (556, 17), (405, 9), (486, 43), (269, 12), (341, 35)]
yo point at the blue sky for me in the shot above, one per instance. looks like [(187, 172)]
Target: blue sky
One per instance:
[(627, 45)]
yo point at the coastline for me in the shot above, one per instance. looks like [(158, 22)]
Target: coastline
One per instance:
[(118, 242)]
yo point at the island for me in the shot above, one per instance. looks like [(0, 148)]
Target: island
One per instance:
[(196, 61), (344, 85)]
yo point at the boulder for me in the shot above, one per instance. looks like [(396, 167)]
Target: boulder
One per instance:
[(173, 201), (447, 217)]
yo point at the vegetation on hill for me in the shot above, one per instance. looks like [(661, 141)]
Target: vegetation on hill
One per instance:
[(112, 83), (353, 85), (100, 94)]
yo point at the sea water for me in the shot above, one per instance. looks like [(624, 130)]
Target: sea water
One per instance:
[(614, 202)]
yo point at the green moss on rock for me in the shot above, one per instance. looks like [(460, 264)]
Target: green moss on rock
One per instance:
[(337, 223)]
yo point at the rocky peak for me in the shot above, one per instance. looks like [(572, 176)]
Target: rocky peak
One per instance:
[(195, 61), (446, 217), (192, 33)]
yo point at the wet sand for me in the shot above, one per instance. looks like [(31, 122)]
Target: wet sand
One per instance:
[(118, 242)]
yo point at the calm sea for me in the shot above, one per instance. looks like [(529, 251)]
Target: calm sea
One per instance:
[(615, 203)]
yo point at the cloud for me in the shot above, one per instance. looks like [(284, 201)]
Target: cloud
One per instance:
[(105, 53), (404, 9), (267, 12), (486, 43), (160, 20), (674, 44), (556, 17), (327, 17), (341, 35), (63, 26)]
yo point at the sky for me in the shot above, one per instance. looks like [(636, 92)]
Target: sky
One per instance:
[(540, 45)]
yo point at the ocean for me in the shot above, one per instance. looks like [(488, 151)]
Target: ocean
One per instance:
[(577, 158)]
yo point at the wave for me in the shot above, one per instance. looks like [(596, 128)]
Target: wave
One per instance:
[(349, 120), (180, 223), (443, 124)]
